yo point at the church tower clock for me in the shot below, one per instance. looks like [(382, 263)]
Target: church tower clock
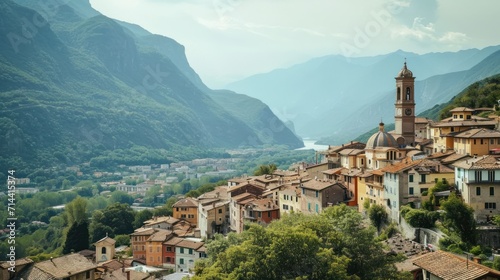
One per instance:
[(405, 106)]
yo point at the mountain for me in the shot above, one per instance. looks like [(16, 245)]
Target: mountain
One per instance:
[(482, 94), (81, 85), (428, 93), (340, 97)]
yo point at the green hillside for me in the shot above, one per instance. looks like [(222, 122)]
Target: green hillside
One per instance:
[(83, 90), (481, 94)]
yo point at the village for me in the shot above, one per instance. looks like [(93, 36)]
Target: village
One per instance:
[(392, 169)]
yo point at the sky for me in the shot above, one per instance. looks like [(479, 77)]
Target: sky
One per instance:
[(227, 40)]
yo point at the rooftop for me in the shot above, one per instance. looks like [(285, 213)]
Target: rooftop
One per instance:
[(448, 266)]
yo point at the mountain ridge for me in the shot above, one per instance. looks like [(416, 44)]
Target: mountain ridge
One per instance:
[(87, 87)]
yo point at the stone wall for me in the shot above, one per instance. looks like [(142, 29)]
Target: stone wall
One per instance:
[(489, 236)]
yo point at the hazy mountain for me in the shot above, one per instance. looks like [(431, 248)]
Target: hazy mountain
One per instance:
[(82, 84), (341, 97), (428, 94)]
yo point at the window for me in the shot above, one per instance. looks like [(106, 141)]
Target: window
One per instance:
[(492, 190), (182, 251), (87, 274), (410, 178), (190, 251), (478, 190), (220, 211), (181, 261), (479, 176), (422, 178), (285, 207), (103, 250), (411, 190), (492, 141), (167, 259), (461, 116), (269, 214), (491, 176), (183, 216), (260, 214), (317, 193), (424, 190), (309, 206), (454, 116), (490, 205), (317, 208), (303, 191), (169, 249)]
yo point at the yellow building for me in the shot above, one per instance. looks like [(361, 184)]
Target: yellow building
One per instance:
[(186, 209), (105, 249), (462, 119), (477, 142)]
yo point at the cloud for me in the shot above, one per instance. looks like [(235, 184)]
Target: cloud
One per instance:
[(426, 32)]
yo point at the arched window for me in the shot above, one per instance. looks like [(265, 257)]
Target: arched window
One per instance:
[(103, 250), (399, 93), (408, 91)]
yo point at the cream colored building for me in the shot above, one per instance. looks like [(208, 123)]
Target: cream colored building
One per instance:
[(478, 180), (104, 249), (477, 142), (462, 119)]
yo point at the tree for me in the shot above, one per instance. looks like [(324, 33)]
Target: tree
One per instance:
[(77, 238), (121, 197), (378, 215), (76, 210), (333, 245), (265, 169), (142, 216), (459, 217)]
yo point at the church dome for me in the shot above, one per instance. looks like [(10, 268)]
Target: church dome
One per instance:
[(381, 139), (405, 72)]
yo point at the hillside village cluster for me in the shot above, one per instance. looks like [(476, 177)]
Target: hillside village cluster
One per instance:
[(392, 169)]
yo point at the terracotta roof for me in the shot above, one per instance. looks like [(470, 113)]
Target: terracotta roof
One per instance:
[(401, 166), (422, 120), (186, 202), (65, 266), (351, 152), (377, 172), (462, 109), (202, 249), (19, 262), (107, 240), (113, 264), (454, 157), (162, 219), (440, 155), (173, 241), (333, 171), (143, 231), (485, 162), (189, 244), (449, 266), (479, 133), (160, 235), (474, 121), (244, 184), (218, 192), (242, 196), (317, 185)]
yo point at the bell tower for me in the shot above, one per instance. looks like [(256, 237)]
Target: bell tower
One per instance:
[(405, 106)]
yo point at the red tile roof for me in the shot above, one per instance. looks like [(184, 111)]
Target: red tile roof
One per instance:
[(448, 266)]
